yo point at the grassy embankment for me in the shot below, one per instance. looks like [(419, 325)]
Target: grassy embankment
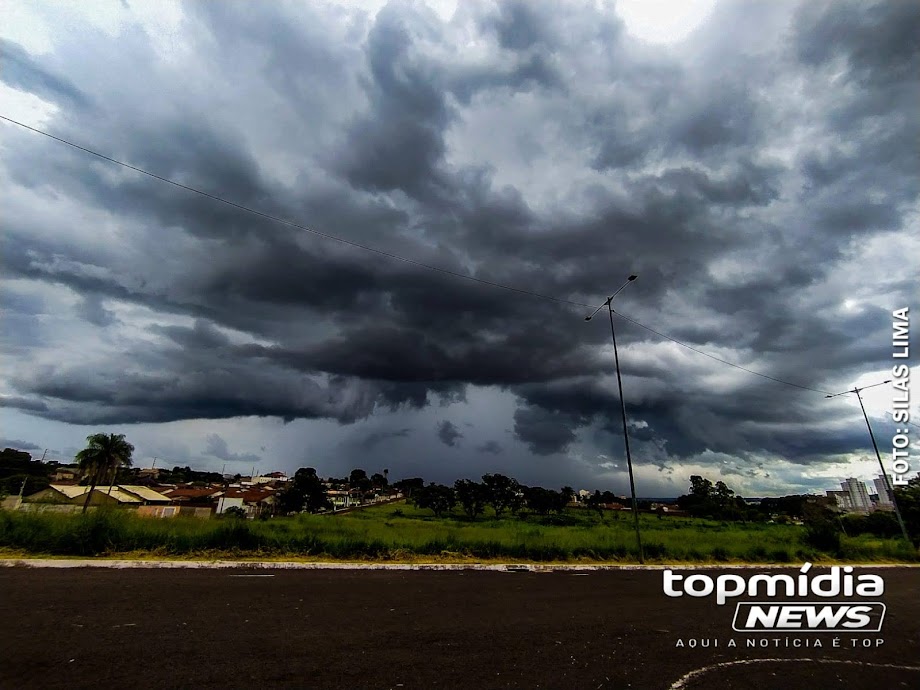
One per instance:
[(400, 532)]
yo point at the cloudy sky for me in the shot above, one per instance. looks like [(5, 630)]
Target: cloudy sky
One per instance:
[(755, 163)]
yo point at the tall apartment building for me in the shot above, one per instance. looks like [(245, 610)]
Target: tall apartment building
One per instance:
[(884, 496), (858, 494), (841, 500)]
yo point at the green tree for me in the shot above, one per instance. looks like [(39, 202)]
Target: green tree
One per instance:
[(700, 487), (103, 455), (304, 492), (540, 500), (596, 502), (435, 497), (502, 492), (722, 494), (472, 497), (409, 486), (717, 501), (822, 527)]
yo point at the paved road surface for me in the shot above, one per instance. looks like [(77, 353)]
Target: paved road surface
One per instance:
[(154, 628)]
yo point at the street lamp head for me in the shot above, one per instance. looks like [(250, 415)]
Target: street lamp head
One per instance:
[(633, 277), (588, 318)]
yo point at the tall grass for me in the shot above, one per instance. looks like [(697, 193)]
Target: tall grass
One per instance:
[(401, 532)]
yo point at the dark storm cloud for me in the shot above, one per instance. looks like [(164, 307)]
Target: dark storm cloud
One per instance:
[(491, 447), (17, 444), (877, 39), (746, 178), (217, 446), (399, 144), (546, 431), (518, 25), (375, 438), (21, 71), (92, 310), (29, 404), (449, 433)]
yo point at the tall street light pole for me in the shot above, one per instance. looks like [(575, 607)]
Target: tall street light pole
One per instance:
[(616, 358), (888, 487)]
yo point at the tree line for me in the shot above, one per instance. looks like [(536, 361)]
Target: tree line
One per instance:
[(824, 524), (497, 491)]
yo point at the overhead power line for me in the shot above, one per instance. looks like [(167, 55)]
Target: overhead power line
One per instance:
[(293, 224), (391, 255), (719, 359)]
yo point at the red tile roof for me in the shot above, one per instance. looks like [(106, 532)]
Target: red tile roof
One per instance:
[(191, 493)]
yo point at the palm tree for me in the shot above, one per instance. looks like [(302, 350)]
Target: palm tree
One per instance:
[(104, 453)]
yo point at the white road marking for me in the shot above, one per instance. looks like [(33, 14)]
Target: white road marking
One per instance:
[(703, 670)]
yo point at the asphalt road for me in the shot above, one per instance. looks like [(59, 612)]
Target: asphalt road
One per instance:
[(156, 628)]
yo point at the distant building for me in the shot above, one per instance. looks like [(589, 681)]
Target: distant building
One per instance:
[(125, 495), (840, 499), (884, 495), (191, 495), (857, 496), (255, 501), (269, 478), (67, 473), (340, 499), (226, 502)]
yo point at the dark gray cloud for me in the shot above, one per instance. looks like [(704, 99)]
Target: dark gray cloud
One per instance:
[(375, 438), (546, 431), (492, 447), (449, 433), (92, 310), (217, 446), (755, 180), (17, 444), (21, 71), (24, 403)]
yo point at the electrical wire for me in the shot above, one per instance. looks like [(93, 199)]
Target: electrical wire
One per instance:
[(299, 226), (719, 359)]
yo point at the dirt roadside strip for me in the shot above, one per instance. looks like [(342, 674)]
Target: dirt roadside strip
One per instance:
[(331, 565)]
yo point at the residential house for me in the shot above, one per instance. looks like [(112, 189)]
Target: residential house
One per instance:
[(122, 495), (194, 496), (67, 474), (340, 498), (255, 501)]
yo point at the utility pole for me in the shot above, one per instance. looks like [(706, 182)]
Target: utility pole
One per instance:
[(888, 487), (616, 357), (22, 490)]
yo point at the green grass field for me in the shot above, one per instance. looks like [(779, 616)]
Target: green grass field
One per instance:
[(400, 532)]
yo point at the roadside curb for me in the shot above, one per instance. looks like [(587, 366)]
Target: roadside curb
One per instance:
[(119, 564)]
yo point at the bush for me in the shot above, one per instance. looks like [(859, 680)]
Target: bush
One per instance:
[(823, 535)]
